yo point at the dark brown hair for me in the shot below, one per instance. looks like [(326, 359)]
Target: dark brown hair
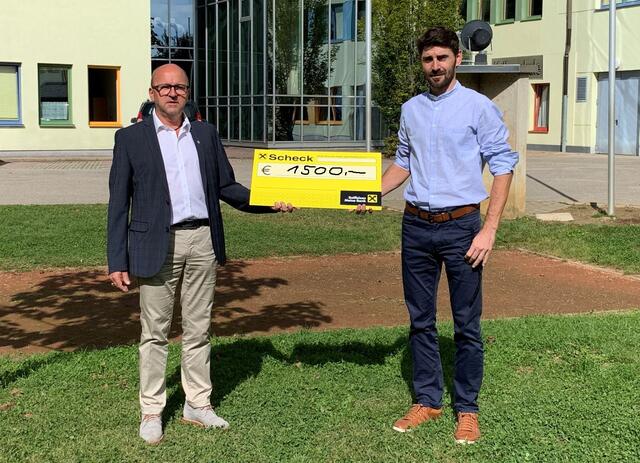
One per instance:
[(438, 37)]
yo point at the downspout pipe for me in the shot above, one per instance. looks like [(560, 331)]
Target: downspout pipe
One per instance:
[(565, 79)]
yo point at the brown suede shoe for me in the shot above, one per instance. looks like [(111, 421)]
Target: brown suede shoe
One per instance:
[(416, 415), (468, 430)]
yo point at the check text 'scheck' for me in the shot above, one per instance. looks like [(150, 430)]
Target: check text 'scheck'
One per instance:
[(326, 179)]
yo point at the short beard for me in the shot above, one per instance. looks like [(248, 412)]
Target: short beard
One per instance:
[(442, 85)]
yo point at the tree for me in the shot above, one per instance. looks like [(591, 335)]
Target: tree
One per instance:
[(397, 74), (315, 59)]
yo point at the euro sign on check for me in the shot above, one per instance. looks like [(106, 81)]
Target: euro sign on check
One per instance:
[(321, 179)]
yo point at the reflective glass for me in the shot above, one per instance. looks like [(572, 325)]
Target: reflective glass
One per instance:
[(159, 23), (159, 53), (223, 53), (211, 57), (245, 58), (181, 53), (181, 23), (258, 48), (53, 85), (316, 55), (245, 112), (234, 123), (258, 123), (234, 45), (9, 94)]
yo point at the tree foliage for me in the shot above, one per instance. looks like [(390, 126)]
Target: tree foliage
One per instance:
[(316, 59), (397, 74)]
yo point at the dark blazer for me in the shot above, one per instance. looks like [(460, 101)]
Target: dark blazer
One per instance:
[(139, 214)]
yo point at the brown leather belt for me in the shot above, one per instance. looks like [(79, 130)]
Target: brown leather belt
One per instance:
[(439, 217)]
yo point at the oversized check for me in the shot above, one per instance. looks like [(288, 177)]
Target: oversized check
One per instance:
[(325, 179)]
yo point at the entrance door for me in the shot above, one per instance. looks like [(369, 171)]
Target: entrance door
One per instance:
[(627, 109)]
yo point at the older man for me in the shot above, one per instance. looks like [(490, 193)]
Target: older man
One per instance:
[(164, 224)]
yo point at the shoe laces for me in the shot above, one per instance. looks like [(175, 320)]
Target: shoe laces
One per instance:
[(150, 417), (467, 422), (416, 411)]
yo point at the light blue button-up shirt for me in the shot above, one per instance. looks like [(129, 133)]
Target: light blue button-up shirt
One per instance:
[(445, 140), (182, 166)]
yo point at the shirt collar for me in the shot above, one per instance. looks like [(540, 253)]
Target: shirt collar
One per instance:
[(445, 94), (159, 125)]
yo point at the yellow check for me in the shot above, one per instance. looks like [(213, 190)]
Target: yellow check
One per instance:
[(324, 179)]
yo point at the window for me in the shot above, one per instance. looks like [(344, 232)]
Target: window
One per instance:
[(507, 10), (533, 8), (581, 89), (541, 108), (463, 10), (484, 10), (10, 113), (54, 86), (297, 118), (337, 23), (330, 109), (605, 3), (104, 97)]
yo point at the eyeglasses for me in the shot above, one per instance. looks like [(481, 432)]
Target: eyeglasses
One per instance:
[(165, 89)]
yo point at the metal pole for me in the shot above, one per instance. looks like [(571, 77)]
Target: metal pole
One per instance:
[(612, 106), (368, 78)]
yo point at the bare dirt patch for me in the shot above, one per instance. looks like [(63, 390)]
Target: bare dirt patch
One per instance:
[(78, 309)]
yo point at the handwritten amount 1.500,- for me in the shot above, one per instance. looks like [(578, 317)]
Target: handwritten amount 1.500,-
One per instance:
[(317, 171), (322, 170)]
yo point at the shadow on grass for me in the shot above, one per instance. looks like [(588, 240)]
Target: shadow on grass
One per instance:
[(30, 365), (236, 362), (81, 310), (447, 356)]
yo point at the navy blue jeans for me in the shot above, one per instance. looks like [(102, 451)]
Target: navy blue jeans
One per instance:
[(425, 247)]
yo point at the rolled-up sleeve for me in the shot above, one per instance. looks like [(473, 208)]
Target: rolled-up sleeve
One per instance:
[(492, 138), (402, 153)]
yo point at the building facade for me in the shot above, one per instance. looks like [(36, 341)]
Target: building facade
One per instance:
[(564, 44), (71, 73), (265, 72), (282, 73)]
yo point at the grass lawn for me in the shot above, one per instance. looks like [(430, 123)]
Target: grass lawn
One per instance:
[(555, 389), (74, 236)]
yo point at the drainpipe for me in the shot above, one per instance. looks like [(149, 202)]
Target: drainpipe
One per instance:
[(565, 81)]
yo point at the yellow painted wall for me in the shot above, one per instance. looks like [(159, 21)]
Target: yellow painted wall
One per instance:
[(591, 56), (80, 33), (588, 56), (538, 37)]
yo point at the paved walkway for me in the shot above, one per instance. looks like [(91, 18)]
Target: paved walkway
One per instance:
[(554, 180)]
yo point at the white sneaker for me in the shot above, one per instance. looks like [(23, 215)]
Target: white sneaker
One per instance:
[(151, 429), (204, 417)]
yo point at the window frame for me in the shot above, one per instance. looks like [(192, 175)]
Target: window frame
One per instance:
[(501, 7), (331, 108), (477, 8), (15, 122), (58, 122), (105, 124), (538, 90), (525, 11), (306, 115), (604, 4)]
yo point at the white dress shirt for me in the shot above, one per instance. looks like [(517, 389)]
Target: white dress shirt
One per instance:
[(183, 171)]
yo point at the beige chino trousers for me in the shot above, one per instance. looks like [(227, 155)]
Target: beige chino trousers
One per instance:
[(191, 257)]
